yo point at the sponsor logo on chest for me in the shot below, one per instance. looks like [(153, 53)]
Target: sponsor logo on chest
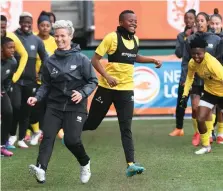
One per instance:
[(73, 67)]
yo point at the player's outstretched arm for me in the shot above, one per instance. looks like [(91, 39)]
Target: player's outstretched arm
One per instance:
[(147, 59)]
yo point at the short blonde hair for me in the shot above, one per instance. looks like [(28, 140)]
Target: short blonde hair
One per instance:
[(26, 14), (64, 24)]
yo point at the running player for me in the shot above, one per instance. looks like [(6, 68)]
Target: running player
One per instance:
[(21, 51), (116, 82), (8, 66), (202, 20), (68, 79), (211, 71)]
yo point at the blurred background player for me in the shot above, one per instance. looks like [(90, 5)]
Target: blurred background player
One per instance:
[(8, 66), (189, 20), (19, 48), (21, 51), (36, 119), (211, 71), (52, 21), (26, 86), (216, 26), (116, 83)]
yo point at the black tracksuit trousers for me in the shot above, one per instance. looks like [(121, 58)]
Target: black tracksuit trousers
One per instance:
[(6, 117), (124, 105), (72, 123)]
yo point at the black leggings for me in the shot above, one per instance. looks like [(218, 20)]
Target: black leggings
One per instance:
[(180, 112), (37, 113), (21, 110), (124, 105), (6, 117)]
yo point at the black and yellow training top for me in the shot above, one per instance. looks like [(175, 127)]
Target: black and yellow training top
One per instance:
[(121, 57)]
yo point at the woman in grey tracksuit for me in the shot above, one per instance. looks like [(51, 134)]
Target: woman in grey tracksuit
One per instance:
[(68, 78), (26, 86), (189, 19)]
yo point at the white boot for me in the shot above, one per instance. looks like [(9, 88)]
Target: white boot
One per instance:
[(35, 138), (22, 144), (85, 173), (12, 140), (203, 150), (38, 173)]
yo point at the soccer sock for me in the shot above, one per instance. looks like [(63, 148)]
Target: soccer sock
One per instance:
[(209, 125), (28, 132), (195, 125), (213, 120), (205, 139), (130, 163), (220, 129), (35, 127)]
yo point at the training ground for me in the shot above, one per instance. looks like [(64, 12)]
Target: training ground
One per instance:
[(170, 162)]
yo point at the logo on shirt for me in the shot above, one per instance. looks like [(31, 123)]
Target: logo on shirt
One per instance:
[(79, 119), (54, 71), (210, 45), (73, 67), (147, 85), (129, 55), (98, 99), (32, 47), (7, 71)]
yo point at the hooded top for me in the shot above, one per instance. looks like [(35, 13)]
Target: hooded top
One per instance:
[(221, 36), (33, 45), (21, 51), (8, 68), (180, 44), (64, 71)]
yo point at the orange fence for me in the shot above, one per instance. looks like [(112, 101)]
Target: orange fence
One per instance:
[(156, 19)]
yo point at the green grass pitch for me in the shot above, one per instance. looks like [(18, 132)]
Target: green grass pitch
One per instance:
[(170, 162)]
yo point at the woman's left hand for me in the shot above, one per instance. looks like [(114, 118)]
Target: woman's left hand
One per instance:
[(76, 96)]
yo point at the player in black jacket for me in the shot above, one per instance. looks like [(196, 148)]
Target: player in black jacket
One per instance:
[(68, 79), (26, 86), (8, 66)]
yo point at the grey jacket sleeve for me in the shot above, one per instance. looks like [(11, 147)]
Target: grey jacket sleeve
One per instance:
[(89, 76), (179, 46), (44, 89), (187, 50), (42, 51), (8, 83), (219, 53)]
